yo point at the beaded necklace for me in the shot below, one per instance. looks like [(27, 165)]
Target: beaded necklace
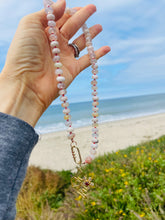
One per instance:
[(81, 185)]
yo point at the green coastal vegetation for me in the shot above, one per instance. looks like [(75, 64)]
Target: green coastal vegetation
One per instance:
[(129, 185)]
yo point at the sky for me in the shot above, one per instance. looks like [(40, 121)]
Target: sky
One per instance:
[(135, 31)]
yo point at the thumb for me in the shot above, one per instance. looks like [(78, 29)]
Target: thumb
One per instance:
[(59, 9)]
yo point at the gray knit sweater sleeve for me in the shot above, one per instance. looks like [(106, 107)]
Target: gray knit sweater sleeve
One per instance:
[(17, 139)]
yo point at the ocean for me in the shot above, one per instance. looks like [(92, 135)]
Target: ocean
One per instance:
[(109, 110)]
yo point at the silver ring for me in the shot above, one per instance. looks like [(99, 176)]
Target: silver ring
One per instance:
[(76, 49)]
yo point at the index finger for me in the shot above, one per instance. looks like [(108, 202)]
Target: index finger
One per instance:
[(59, 9)]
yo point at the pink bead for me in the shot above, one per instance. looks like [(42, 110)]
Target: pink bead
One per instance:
[(88, 160)]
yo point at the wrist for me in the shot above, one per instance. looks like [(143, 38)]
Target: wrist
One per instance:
[(19, 101)]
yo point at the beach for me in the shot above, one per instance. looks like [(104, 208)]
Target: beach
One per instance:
[(53, 149)]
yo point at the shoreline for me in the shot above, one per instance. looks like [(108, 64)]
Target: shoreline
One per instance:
[(53, 149)]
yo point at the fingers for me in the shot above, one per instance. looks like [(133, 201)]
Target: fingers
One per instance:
[(59, 8), (94, 31), (84, 61), (64, 18), (73, 24)]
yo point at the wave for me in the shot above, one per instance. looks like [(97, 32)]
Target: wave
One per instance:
[(54, 127)]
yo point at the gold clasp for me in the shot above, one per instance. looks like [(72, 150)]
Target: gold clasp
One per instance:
[(76, 154)]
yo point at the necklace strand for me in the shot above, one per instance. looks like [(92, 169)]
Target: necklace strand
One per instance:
[(80, 185)]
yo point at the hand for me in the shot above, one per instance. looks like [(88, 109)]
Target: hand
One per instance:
[(28, 74)]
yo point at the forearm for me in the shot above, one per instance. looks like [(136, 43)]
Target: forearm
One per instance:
[(17, 140)]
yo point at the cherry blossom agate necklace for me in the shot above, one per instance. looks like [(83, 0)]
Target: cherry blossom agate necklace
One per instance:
[(81, 185)]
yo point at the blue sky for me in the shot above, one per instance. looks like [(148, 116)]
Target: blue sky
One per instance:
[(135, 31)]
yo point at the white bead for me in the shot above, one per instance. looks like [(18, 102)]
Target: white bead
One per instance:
[(70, 129), (95, 120), (88, 43), (95, 66), (95, 109), (65, 104), (90, 48), (95, 135), (62, 92), (56, 51), (51, 31), (95, 71), (95, 130), (60, 79), (68, 123), (95, 98), (94, 145), (58, 65), (50, 17), (94, 82), (95, 77), (66, 111), (48, 10), (54, 44), (51, 23), (92, 156), (71, 136), (58, 71), (94, 93), (60, 85), (63, 98), (93, 151), (95, 103), (94, 140), (56, 58), (53, 37), (94, 87)]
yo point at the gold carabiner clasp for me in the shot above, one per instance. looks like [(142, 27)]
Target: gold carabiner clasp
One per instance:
[(76, 154)]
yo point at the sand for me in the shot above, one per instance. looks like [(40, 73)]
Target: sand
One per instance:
[(53, 149)]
